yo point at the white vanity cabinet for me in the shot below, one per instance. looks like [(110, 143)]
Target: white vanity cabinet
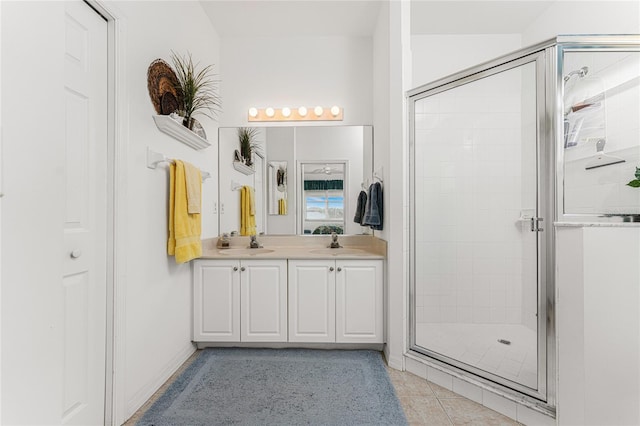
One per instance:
[(240, 300), (359, 301), (336, 301), (263, 300), (312, 295)]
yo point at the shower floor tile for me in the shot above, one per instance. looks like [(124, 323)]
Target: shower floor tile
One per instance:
[(477, 345)]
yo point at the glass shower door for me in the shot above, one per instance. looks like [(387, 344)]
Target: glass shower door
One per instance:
[(476, 227)]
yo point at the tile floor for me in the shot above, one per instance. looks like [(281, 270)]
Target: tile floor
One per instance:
[(423, 402), (427, 404)]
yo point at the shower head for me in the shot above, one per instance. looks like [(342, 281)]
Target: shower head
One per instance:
[(581, 73)]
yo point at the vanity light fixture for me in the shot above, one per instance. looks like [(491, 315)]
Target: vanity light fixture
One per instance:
[(334, 113)]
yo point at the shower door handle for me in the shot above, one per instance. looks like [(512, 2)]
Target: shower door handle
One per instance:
[(535, 224)]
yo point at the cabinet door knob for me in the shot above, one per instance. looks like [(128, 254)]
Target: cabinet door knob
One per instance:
[(331, 269), (75, 254), (242, 269), (235, 268), (339, 269)]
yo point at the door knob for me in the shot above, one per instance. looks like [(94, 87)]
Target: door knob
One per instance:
[(75, 254), (339, 269), (235, 268), (242, 269), (331, 269)]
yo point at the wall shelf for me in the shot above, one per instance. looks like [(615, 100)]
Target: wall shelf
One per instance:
[(243, 168), (177, 131)]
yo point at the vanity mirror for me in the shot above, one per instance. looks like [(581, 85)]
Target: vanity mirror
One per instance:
[(305, 180)]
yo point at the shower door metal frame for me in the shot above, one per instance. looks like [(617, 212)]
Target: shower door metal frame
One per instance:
[(543, 398)]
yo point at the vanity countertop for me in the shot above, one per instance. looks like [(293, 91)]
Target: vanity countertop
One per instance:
[(297, 247)]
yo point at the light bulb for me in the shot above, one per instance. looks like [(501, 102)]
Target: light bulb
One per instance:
[(302, 111), (318, 111), (335, 110), (286, 112), (253, 112), (270, 112)]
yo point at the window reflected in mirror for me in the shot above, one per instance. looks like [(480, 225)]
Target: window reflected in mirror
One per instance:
[(323, 198)]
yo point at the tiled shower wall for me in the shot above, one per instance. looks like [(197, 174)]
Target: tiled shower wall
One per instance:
[(469, 197)]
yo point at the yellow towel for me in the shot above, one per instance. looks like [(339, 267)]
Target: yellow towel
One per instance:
[(251, 197), (247, 211), (184, 228), (282, 206), (194, 187)]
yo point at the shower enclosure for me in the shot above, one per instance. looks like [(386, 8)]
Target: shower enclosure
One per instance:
[(487, 181)]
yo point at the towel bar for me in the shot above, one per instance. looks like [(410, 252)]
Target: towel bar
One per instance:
[(155, 158)]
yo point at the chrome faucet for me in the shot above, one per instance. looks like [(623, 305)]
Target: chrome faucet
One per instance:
[(334, 241), (254, 242)]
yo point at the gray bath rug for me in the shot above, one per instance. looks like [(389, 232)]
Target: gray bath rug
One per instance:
[(233, 386)]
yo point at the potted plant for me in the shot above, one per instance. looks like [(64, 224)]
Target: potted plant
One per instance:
[(248, 144), (636, 182), (199, 89)]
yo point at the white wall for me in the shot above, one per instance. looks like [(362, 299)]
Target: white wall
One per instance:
[(295, 71), (157, 292), (1, 144), (438, 55), (392, 69), (598, 331), (584, 17)]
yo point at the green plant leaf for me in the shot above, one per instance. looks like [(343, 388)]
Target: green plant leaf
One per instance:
[(634, 183), (199, 88)]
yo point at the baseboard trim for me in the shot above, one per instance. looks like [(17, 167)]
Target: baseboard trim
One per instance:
[(147, 391), (291, 345), (396, 362)]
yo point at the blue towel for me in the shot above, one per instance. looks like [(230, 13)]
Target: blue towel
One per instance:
[(362, 203), (373, 211)]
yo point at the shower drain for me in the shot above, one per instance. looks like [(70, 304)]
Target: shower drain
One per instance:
[(504, 341)]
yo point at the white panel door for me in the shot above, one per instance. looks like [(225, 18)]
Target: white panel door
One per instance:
[(216, 301), (359, 305), (263, 299), (85, 194), (312, 310)]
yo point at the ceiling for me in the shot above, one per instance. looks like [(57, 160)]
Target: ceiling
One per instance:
[(293, 17), (233, 18), (474, 17)]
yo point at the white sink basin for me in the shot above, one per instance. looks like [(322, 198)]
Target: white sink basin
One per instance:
[(340, 251), (244, 251)]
